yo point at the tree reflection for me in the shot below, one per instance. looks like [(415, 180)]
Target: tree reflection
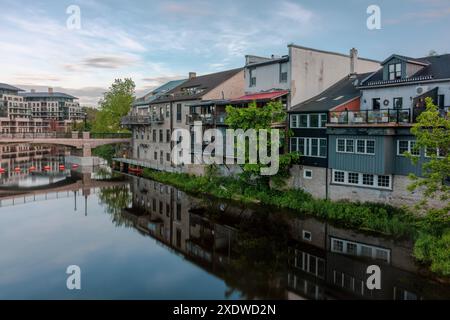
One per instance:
[(258, 266), (115, 199)]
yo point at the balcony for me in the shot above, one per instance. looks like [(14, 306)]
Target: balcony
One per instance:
[(133, 120), (206, 119), (370, 117), (156, 118)]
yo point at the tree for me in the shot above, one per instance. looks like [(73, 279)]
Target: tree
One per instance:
[(257, 118), (116, 103), (432, 134)]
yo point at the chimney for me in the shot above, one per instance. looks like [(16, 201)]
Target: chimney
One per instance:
[(50, 90), (192, 75), (353, 61)]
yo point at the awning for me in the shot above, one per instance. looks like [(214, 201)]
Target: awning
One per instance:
[(261, 96)]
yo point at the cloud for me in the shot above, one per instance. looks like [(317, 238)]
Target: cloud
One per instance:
[(106, 62), (295, 12)]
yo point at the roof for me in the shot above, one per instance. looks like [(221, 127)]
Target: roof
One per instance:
[(405, 58), (328, 52), (199, 86), (155, 93), (261, 96), (5, 86), (219, 102), (434, 68), (46, 95), (268, 61), (342, 91)]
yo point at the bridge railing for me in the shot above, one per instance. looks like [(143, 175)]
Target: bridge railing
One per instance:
[(106, 135), (64, 135)]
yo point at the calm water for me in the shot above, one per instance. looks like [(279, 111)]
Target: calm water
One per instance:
[(137, 239)]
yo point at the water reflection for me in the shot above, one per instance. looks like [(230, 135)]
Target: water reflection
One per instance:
[(261, 253), (141, 239)]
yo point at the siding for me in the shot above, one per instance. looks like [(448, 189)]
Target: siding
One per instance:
[(376, 164)]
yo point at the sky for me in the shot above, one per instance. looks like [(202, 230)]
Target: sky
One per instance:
[(156, 41)]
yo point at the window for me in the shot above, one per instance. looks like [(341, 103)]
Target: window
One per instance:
[(294, 121), (337, 245), (376, 105), (161, 137), (154, 135), (395, 71), (398, 103), (155, 155), (283, 72), (168, 157), (441, 101), (368, 179), (303, 121), (339, 176), (353, 178), (362, 179), (307, 235), (252, 77), (310, 147), (315, 120), (178, 112), (430, 152), (307, 174), (407, 146), (340, 145), (168, 135), (384, 181), (349, 145), (365, 146), (167, 111)]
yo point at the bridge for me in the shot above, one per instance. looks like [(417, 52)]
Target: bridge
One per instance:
[(85, 140)]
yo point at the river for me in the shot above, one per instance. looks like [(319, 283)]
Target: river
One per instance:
[(134, 238)]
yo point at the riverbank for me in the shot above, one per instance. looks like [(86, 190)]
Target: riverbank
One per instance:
[(432, 246)]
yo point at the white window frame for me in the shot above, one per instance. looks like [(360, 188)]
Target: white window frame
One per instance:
[(321, 117), (359, 246), (305, 176), (437, 154), (307, 146), (360, 180), (345, 145), (410, 148), (365, 146)]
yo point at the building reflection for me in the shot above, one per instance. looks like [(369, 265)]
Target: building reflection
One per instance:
[(321, 261)]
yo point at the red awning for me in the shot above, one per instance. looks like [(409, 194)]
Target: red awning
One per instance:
[(261, 96)]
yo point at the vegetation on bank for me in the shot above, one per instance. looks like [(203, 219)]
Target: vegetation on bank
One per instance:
[(371, 217), (431, 233)]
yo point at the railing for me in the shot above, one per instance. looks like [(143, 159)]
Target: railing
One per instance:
[(135, 120), (204, 118), (207, 118), (156, 118), (382, 116), (65, 135)]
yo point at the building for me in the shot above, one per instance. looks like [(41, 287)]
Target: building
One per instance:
[(59, 111), (37, 112), (308, 123), (152, 131), (300, 75), (368, 136)]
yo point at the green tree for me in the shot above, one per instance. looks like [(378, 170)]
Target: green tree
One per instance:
[(115, 104), (257, 118), (432, 134)]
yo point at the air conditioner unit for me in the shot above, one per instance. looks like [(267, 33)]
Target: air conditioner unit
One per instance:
[(421, 89)]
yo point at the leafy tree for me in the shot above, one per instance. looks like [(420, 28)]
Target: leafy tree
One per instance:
[(115, 104), (257, 118), (432, 134)]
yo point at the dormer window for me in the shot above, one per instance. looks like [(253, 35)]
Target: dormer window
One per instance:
[(252, 76), (395, 71)]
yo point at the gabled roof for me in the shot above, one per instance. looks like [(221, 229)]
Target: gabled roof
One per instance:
[(405, 58), (261, 96), (46, 95), (341, 92), (435, 68), (5, 86), (200, 86), (155, 93)]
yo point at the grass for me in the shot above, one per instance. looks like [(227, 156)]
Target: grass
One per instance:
[(379, 218)]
